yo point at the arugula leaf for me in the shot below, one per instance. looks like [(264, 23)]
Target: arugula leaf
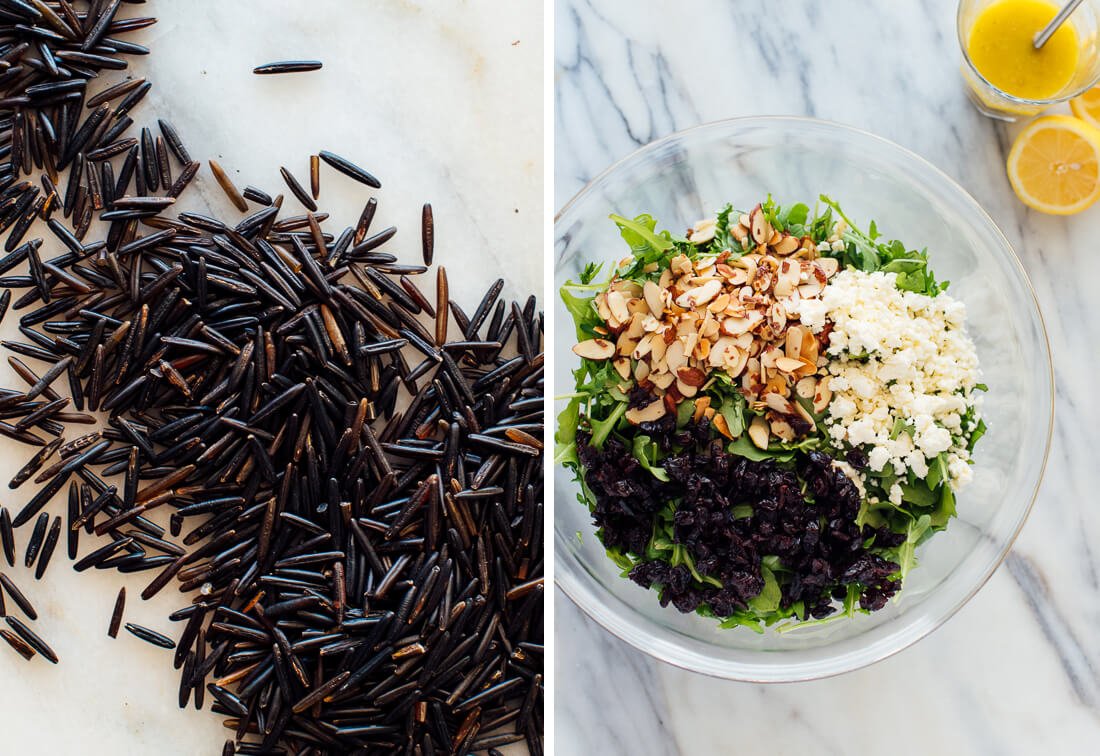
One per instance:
[(565, 437), (744, 447), (645, 451), (646, 245), (591, 270), (601, 429), (770, 595), (946, 508), (906, 552), (583, 310)]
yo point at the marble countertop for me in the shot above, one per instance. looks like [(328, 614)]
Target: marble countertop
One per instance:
[(1017, 670), (443, 103)]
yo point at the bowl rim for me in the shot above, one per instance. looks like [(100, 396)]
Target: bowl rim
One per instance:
[(592, 607)]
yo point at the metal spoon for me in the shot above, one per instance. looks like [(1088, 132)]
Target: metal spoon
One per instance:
[(1042, 37)]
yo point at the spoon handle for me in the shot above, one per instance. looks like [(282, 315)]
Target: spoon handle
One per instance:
[(1042, 37)]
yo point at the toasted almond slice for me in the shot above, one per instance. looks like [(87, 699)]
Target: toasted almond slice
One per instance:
[(759, 433), (701, 405), (662, 380), (692, 376), (719, 303), (788, 364), (809, 347), (822, 396), (778, 404), (735, 360), (675, 356), (655, 410), (594, 349), (637, 306), (663, 282), (769, 356), (644, 346), (740, 233), (652, 294), (759, 227), (685, 389), (636, 328), (699, 295), (702, 232), (829, 266), (658, 347), (721, 426), (806, 388), (650, 324), (805, 415), (781, 429), (650, 267), (811, 288), (709, 413), (616, 302), (641, 370), (786, 245), (689, 343), (743, 220), (702, 350), (625, 345), (777, 317), (718, 351), (793, 346), (602, 308), (777, 384)]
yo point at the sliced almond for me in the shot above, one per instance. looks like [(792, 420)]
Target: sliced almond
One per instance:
[(822, 396), (740, 233), (675, 356), (721, 425), (655, 410), (805, 416), (644, 346), (777, 317), (641, 371), (622, 366), (702, 350), (788, 364), (636, 328), (829, 266), (616, 302), (663, 283), (637, 306), (806, 388), (778, 404), (657, 348), (781, 429), (625, 345), (759, 433), (699, 295), (702, 232), (692, 376), (685, 389), (594, 349), (662, 380), (735, 360), (701, 406), (793, 345), (602, 308), (743, 220), (759, 227), (786, 245), (652, 294)]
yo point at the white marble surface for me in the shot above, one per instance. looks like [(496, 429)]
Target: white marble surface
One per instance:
[(443, 103), (1014, 672)]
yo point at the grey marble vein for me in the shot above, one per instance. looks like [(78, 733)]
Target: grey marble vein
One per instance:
[(1014, 672)]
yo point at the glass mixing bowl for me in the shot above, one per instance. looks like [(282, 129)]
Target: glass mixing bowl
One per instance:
[(690, 175)]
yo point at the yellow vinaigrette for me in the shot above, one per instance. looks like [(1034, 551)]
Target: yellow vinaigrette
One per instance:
[(1000, 47)]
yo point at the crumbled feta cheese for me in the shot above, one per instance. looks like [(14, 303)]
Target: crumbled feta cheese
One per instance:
[(897, 358)]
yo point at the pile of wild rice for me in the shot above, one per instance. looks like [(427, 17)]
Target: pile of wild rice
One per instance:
[(366, 562)]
